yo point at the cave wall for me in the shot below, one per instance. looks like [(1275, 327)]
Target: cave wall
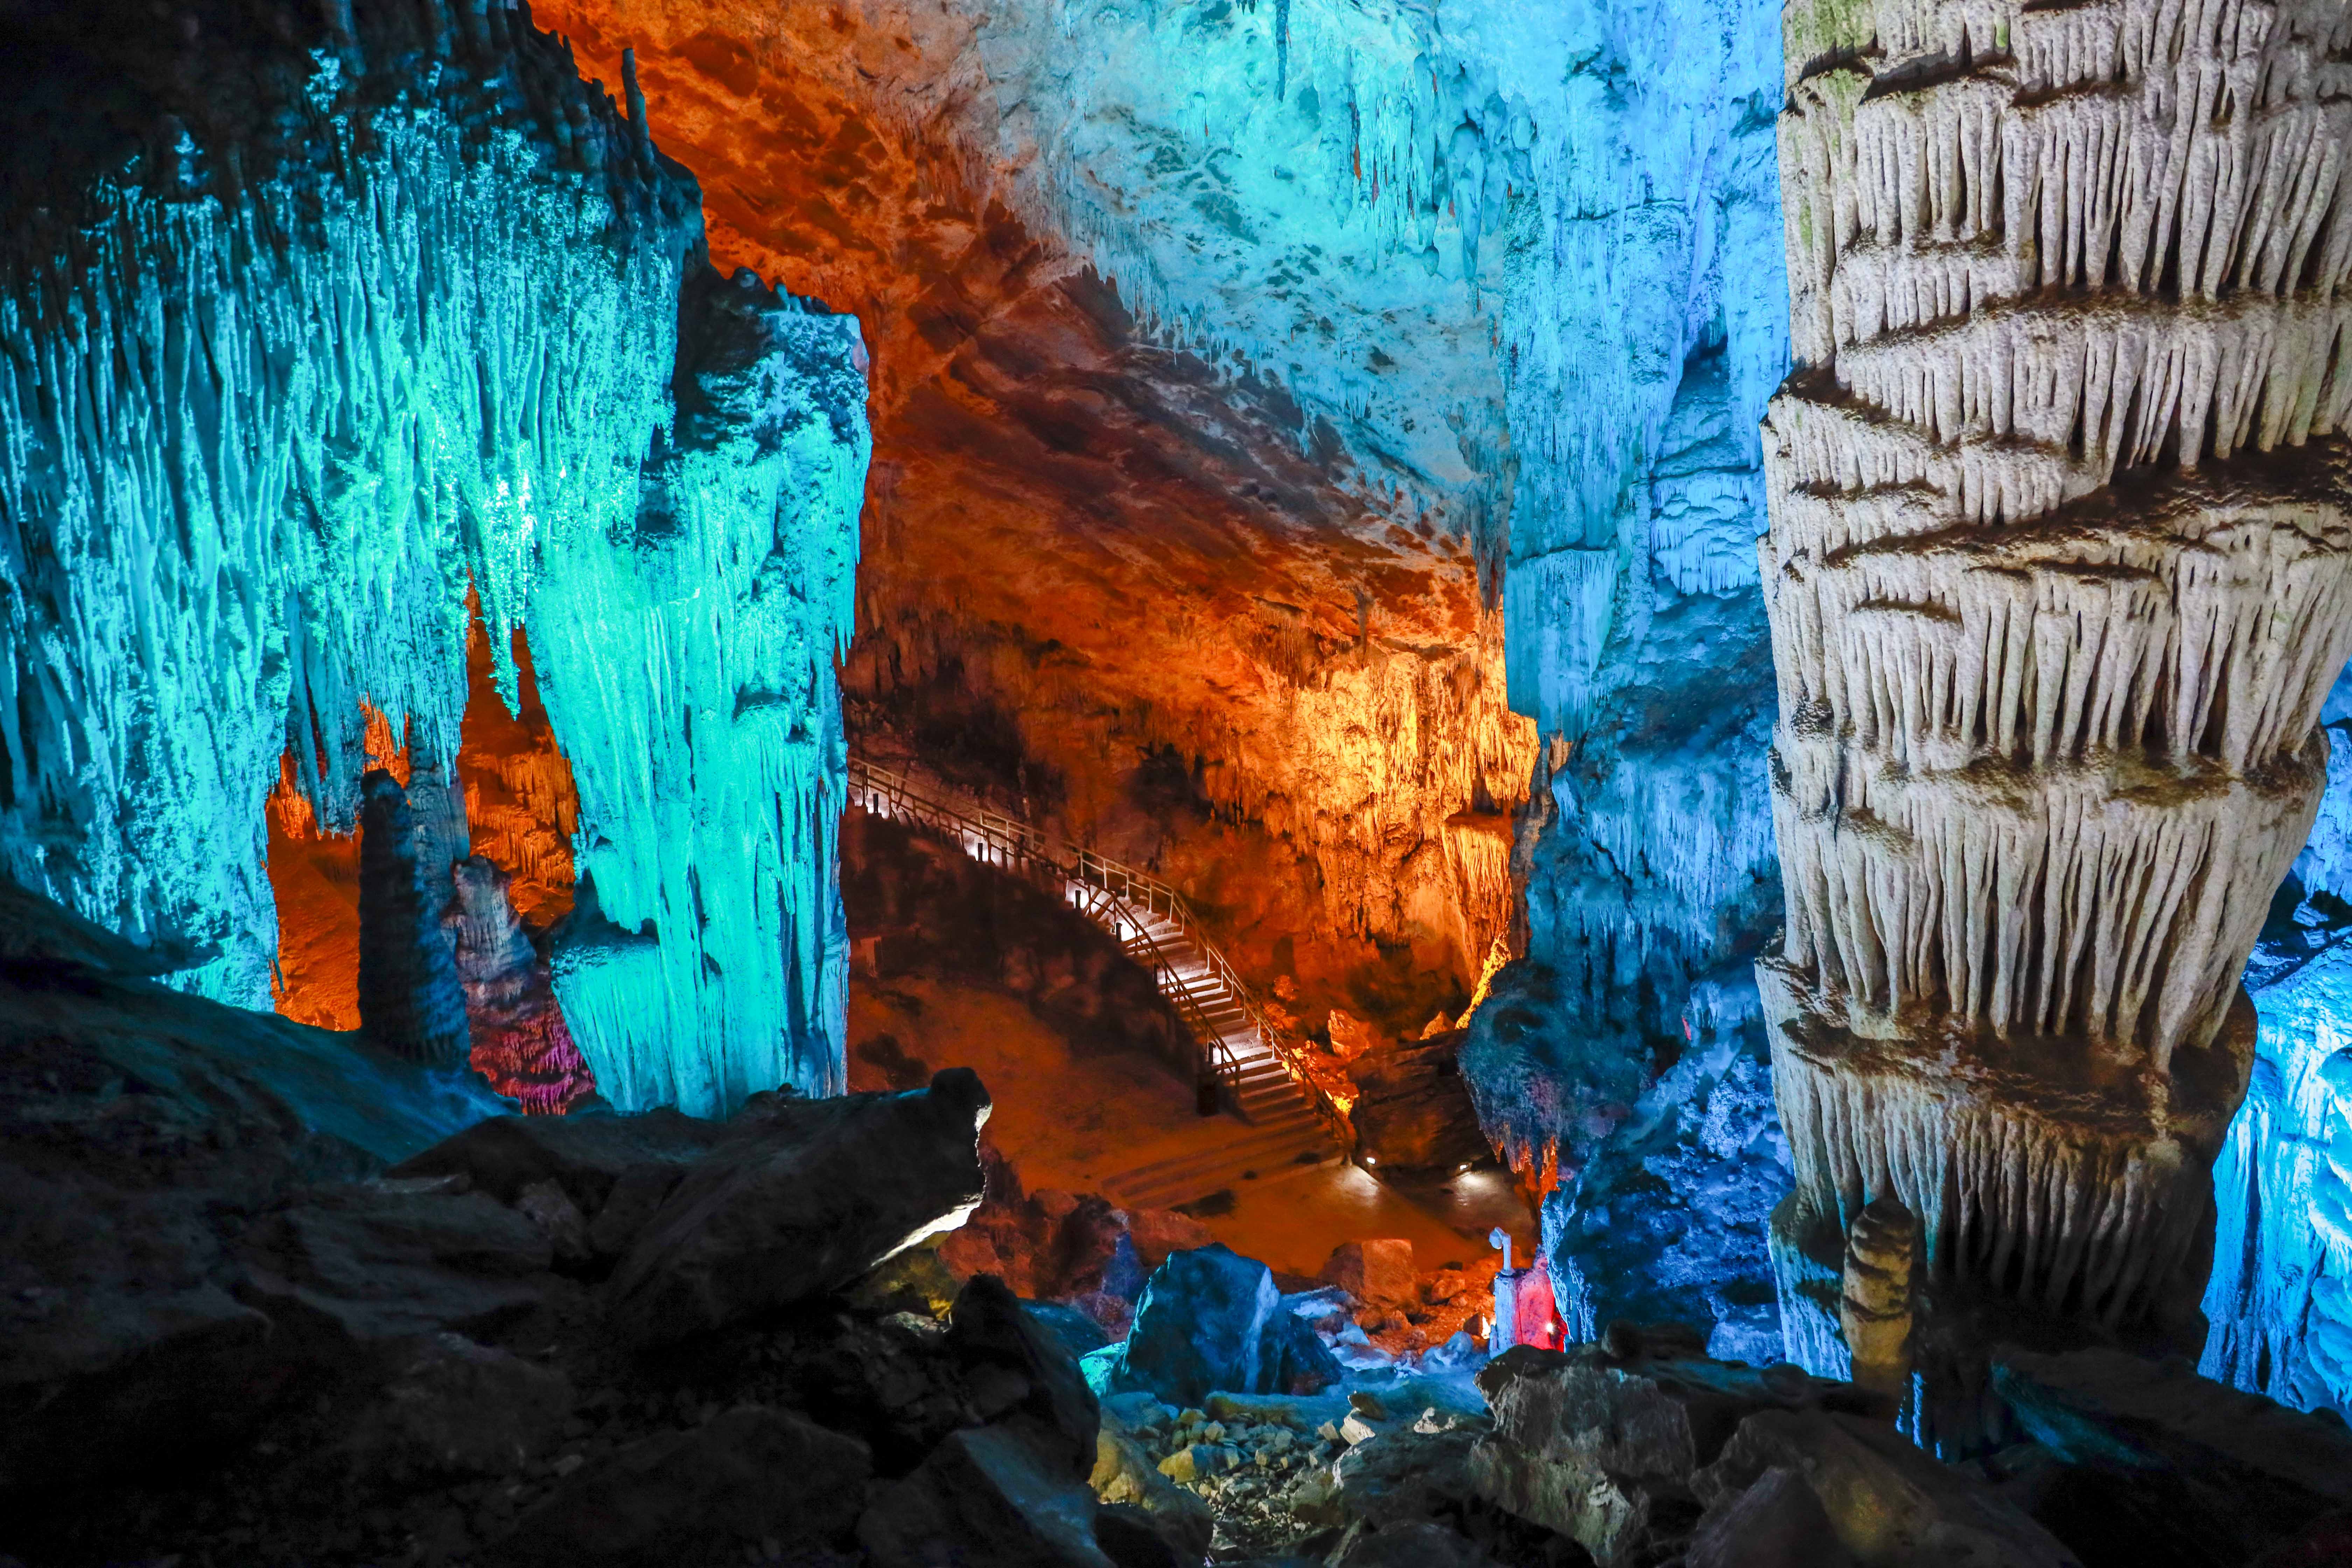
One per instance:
[(1645, 326), (1226, 356), (312, 328)]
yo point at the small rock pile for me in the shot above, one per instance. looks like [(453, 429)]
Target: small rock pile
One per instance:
[(1399, 1309), (1070, 1247)]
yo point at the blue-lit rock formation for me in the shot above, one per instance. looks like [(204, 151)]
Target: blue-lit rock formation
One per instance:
[(1648, 306), (291, 360), (1571, 221), (2279, 1302)]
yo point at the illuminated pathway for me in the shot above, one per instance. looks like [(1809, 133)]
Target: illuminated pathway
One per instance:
[(1155, 928)]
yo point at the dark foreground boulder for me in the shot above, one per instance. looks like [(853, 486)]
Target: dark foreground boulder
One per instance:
[(146, 1136), (1018, 1370), (745, 1477), (986, 1498), (615, 1171), (801, 1198), (1889, 1505), (1633, 1446), (2154, 1460), (385, 1259), (458, 1408)]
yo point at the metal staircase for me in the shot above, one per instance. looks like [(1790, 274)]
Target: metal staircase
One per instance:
[(1239, 1051)]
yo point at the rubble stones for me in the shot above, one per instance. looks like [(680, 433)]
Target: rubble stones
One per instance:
[(1124, 1474)]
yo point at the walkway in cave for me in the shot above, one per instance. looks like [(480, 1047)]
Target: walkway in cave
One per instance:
[(1282, 1126), (1153, 927), (1072, 1114)]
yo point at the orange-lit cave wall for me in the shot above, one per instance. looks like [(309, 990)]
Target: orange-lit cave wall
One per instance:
[(1103, 584), (520, 812)]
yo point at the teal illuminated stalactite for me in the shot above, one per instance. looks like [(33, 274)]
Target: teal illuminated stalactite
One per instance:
[(267, 405)]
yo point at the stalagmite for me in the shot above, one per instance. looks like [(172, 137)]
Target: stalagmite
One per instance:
[(520, 1042), (410, 1001), (1881, 1252), (2057, 581)]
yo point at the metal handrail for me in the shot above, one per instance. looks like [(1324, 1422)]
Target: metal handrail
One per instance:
[(994, 838)]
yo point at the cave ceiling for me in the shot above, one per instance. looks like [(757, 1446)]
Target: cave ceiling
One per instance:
[(1190, 446)]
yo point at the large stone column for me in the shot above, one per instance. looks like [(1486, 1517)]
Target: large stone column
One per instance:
[(2057, 579)]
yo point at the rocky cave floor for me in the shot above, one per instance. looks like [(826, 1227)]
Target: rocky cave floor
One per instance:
[(260, 1305)]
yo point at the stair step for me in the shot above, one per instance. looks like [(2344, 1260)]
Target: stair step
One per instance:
[(1277, 1120), (1258, 1144), (1277, 1080), (1174, 1192)]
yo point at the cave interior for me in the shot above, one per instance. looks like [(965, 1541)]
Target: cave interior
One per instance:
[(895, 783)]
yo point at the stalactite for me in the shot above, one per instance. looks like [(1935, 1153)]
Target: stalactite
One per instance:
[(2058, 581)]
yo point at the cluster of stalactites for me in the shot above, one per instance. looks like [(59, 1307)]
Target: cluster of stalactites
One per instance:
[(260, 435), (257, 439), (2059, 575), (2045, 749), (2086, 1199), (2174, 153)]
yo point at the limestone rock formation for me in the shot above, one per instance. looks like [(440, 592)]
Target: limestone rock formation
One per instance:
[(519, 1040), (1874, 1307), (1668, 1220), (410, 1001), (323, 318), (2057, 579)]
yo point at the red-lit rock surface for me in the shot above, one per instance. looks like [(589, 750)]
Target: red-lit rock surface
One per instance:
[(521, 1041), (1123, 595)]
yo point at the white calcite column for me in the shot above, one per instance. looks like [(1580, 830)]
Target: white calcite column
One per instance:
[(2057, 579)]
